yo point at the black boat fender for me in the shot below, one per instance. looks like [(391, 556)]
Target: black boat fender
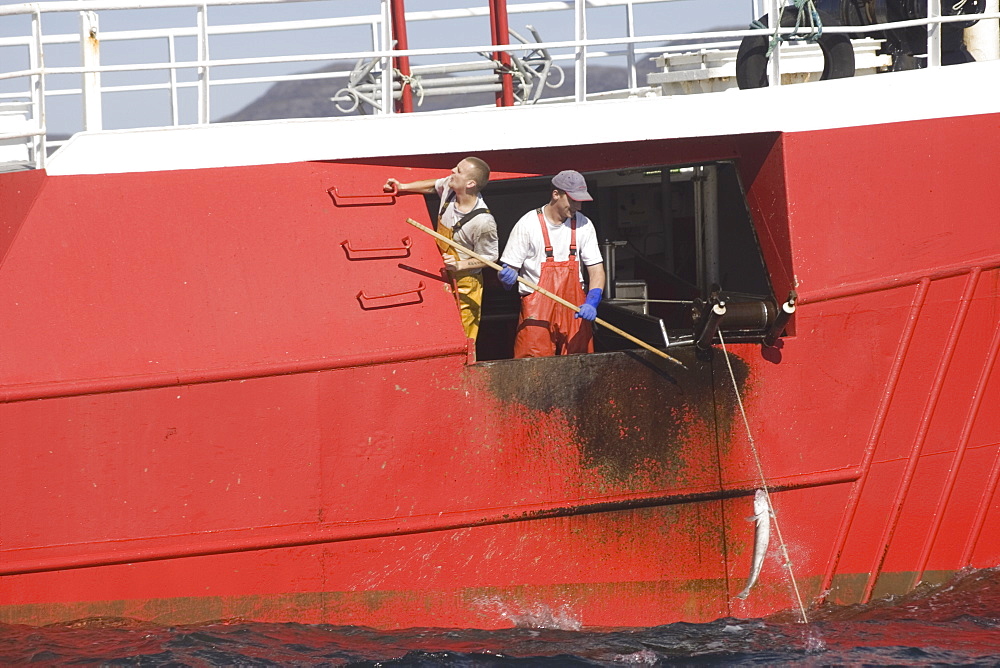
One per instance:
[(752, 57)]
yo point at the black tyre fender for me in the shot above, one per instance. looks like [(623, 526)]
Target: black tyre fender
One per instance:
[(751, 59)]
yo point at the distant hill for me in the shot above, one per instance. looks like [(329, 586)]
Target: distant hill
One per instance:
[(311, 98)]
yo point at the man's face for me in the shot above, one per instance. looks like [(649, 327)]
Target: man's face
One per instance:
[(563, 206), (460, 177)]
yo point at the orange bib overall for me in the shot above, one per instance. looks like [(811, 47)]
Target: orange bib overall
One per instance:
[(546, 326)]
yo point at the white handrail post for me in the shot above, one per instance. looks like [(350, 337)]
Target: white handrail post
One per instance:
[(387, 44), (203, 73), (172, 56), (376, 28), (90, 56), (630, 31), (774, 22), (580, 29), (36, 60), (933, 34)]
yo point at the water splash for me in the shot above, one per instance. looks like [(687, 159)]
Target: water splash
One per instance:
[(535, 616), (814, 642), (642, 657)]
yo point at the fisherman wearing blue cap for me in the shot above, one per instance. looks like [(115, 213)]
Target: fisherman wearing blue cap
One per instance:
[(550, 246)]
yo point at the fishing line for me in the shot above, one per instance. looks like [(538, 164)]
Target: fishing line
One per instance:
[(763, 482)]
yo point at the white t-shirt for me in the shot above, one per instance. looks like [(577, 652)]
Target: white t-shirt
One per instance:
[(526, 246), (479, 234)]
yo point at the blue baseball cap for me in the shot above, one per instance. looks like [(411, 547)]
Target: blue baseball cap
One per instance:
[(573, 184)]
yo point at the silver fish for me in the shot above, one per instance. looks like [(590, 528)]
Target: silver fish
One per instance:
[(761, 537)]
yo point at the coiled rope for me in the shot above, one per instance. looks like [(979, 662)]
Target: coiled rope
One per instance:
[(815, 25), (413, 82), (763, 484)]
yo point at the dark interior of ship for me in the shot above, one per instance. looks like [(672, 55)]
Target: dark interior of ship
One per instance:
[(675, 241)]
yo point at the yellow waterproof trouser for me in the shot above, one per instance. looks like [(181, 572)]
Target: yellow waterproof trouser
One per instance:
[(469, 293)]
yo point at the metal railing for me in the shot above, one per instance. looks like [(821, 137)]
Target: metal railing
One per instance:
[(28, 92)]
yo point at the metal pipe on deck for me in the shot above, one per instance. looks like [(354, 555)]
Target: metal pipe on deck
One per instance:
[(781, 321), (429, 89), (712, 322), (90, 56), (499, 30), (449, 68), (401, 63), (707, 221), (444, 82)]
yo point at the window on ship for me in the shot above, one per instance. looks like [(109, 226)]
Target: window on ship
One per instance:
[(674, 238)]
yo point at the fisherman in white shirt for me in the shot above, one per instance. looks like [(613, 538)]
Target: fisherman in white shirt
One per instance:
[(550, 246)]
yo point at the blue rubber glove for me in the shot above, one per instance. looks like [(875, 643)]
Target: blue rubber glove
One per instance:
[(508, 277), (588, 310)]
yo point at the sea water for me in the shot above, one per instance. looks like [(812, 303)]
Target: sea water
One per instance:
[(956, 623)]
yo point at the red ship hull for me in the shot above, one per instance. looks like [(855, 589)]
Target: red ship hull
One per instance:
[(228, 394)]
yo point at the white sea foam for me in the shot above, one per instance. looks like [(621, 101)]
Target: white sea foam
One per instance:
[(535, 616), (644, 657)]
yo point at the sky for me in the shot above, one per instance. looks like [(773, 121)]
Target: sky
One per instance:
[(135, 109)]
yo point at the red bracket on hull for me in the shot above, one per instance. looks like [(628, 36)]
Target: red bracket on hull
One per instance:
[(381, 198), (377, 253), (395, 299)]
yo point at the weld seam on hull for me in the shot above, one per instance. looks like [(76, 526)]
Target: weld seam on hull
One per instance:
[(881, 415), (897, 281), (916, 449), (982, 509), (959, 457), (404, 526), (60, 390)]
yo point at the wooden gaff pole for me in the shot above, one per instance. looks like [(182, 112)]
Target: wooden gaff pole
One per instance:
[(543, 291)]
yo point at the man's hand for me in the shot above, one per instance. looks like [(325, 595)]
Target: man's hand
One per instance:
[(588, 310), (391, 186), (450, 263), (508, 277)]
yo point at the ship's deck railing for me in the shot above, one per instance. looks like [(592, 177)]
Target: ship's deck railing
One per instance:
[(198, 65)]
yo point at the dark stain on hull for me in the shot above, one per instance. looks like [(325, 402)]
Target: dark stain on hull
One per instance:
[(634, 412)]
